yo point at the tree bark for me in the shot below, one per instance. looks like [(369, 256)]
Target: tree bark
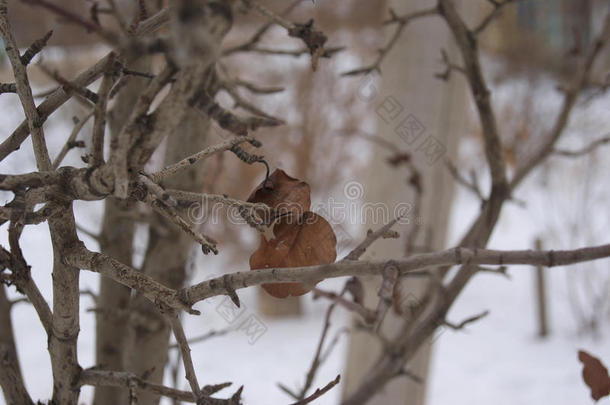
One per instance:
[(116, 240), (165, 261), (408, 77), (11, 379), (65, 329)]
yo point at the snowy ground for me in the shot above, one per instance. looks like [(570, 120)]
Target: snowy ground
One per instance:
[(496, 360)]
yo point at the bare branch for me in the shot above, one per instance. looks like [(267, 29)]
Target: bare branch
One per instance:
[(35, 48), (386, 293), (467, 44), (366, 314), (58, 97), (103, 378), (34, 121), (449, 67), (471, 186), (371, 237), (11, 380), (466, 321), (70, 142), (401, 22), (161, 206), (498, 5), (8, 88), (583, 151), (108, 36), (314, 40), (99, 117), (258, 34), (191, 160), (107, 266), (185, 350), (204, 337), (119, 146), (458, 255), (319, 392), (569, 101)]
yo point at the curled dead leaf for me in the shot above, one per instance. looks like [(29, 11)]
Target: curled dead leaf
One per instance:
[(285, 194), (306, 241), (595, 375)]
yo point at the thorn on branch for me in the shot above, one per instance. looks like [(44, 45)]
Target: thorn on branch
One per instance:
[(231, 291), (235, 398)]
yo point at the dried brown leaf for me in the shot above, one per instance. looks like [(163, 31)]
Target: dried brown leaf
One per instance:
[(595, 375), (285, 194), (307, 242)]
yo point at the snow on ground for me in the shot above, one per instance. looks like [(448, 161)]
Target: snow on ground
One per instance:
[(496, 360)]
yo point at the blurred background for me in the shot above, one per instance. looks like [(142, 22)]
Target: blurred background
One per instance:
[(360, 140)]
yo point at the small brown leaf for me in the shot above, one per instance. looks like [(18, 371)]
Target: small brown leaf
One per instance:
[(285, 194), (595, 375), (307, 242)]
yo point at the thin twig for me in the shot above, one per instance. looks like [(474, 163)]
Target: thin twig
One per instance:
[(583, 151), (319, 392), (466, 321), (190, 160), (70, 142), (99, 116), (371, 237), (185, 350), (401, 22)]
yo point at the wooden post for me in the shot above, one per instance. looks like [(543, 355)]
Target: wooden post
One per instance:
[(543, 329)]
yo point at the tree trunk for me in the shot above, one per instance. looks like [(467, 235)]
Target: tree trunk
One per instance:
[(409, 88), (165, 260), (11, 379), (116, 240)]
